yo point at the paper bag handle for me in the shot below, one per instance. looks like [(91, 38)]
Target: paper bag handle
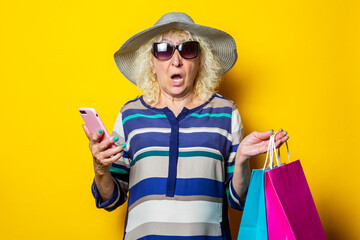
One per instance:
[(271, 151), (287, 149)]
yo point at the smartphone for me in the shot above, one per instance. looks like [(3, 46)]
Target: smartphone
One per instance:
[(93, 122)]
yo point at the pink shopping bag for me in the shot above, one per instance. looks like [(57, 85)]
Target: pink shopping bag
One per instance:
[(290, 209)]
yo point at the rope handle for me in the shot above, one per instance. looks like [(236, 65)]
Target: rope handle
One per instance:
[(271, 151)]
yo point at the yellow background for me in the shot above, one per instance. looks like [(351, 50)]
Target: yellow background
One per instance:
[(298, 69)]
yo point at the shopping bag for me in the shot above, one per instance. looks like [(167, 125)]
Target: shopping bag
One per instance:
[(290, 209), (253, 222)]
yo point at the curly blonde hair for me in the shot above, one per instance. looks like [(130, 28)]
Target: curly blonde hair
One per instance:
[(207, 80)]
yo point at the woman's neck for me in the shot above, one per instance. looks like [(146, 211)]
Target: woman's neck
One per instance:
[(176, 104)]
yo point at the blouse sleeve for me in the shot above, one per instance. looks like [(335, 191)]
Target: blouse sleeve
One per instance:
[(237, 132), (119, 172)]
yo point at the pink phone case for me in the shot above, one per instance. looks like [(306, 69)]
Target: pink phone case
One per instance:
[(93, 121)]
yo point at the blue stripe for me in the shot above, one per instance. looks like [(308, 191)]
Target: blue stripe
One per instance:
[(222, 123), (234, 148), (229, 164), (126, 154), (207, 140), (148, 139), (184, 187), (228, 176), (198, 139)]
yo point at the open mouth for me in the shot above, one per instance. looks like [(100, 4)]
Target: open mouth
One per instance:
[(176, 77)]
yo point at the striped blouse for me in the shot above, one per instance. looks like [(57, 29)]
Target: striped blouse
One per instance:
[(176, 172)]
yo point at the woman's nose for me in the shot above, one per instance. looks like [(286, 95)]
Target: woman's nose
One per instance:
[(176, 59)]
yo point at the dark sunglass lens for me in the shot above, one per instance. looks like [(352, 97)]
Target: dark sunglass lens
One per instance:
[(163, 51), (189, 50)]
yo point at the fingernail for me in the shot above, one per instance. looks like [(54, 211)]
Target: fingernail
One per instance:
[(122, 152), (115, 139), (281, 130), (124, 145), (100, 131), (271, 130)]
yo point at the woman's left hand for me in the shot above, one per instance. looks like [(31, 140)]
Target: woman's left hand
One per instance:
[(257, 143)]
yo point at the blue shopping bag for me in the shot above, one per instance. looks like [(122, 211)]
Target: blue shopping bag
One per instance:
[(253, 222)]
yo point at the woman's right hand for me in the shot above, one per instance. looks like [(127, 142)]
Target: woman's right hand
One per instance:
[(103, 154)]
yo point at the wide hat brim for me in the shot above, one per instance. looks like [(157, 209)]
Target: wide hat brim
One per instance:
[(223, 44)]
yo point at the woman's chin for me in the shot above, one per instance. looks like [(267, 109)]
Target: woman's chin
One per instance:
[(178, 92), (177, 82)]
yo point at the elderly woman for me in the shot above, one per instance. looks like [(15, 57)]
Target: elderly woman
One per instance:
[(181, 157)]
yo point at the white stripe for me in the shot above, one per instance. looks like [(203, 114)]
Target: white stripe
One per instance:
[(145, 130), (118, 127), (201, 167), (236, 126), (123, 162), (207, 130), (235, 121), (156, 167), (232, 195), (172, 211)]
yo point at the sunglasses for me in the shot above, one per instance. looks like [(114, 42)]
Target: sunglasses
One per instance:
[(187, 50)]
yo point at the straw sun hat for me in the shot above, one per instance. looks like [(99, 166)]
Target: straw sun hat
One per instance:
[(223, 44)]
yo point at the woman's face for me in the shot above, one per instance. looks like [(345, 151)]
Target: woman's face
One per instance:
[(176, 76)]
